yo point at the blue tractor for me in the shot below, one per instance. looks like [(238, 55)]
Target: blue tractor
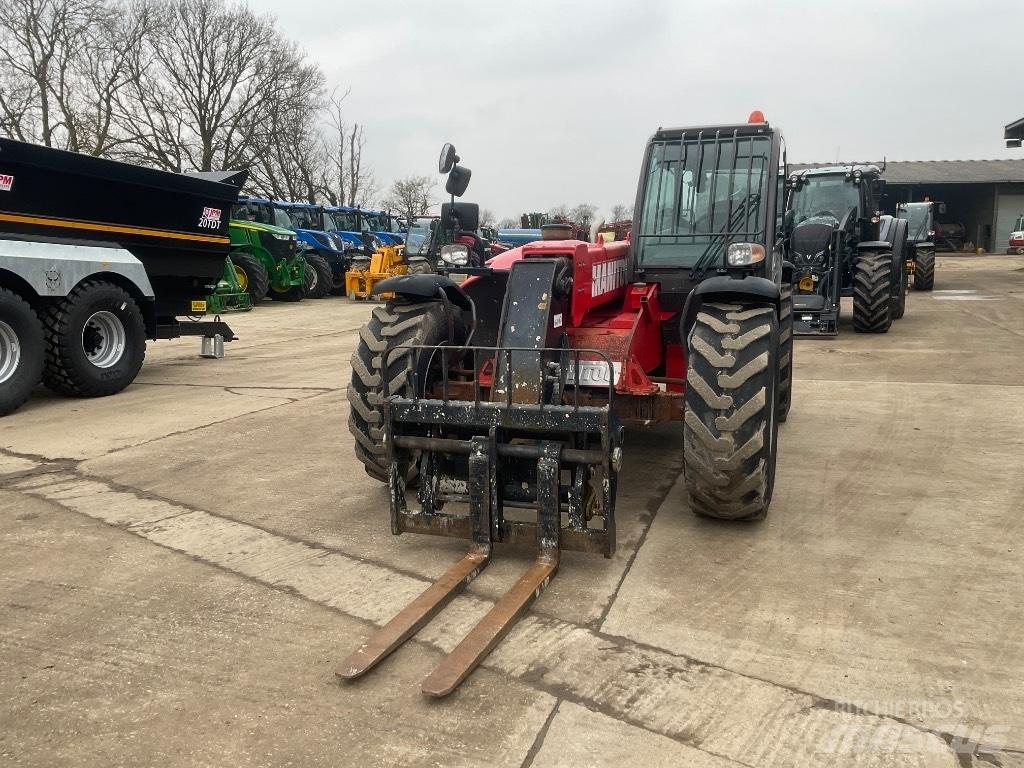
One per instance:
[(324, 250), (355, 222)]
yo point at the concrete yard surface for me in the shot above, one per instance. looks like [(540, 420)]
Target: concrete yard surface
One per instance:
[(183, 565)]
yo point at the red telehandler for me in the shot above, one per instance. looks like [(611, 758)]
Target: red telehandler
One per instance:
[(511, 391)]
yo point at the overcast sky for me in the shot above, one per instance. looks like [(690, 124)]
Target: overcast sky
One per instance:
[(551, 102)]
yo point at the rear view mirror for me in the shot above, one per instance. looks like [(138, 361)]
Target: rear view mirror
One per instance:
[(457, 182), (448, 158), (462, 216)]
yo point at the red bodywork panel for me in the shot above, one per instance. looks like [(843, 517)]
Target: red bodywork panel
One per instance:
[(608, 314)]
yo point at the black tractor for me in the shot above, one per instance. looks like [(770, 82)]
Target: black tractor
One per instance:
[(842, 246), (920, 256)]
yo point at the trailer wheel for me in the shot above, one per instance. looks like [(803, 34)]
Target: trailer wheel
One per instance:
[(252, 275), (872, 293), (95, 341), (730, 415), (21, 351), (899, 306), (317, 266), (392, 325), (924, 269), (785, 352)]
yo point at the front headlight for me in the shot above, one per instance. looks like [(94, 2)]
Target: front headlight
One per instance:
[(282, 237), (744, 254), (456, 255)]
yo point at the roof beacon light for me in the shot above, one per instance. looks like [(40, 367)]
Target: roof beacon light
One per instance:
[(757, 116)]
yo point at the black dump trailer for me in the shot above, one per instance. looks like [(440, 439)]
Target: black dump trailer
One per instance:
[(96, 257)]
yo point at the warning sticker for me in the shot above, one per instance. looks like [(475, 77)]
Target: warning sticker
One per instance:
[(210, 218), (6, 182)]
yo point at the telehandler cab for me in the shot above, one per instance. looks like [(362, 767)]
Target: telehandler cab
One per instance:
[(511, 391)]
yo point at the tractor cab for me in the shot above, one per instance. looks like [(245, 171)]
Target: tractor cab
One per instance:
[(707, 206), (920, 222), (839, 239)]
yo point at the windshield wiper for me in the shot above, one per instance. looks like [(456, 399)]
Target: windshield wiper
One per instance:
[(714, 248)]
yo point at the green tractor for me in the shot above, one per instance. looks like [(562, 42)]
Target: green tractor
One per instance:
[(264, 256)]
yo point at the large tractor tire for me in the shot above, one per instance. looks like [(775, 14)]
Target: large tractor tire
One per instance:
[(21, 351), (419, 267), (730, 411), (320, 272), (924, 269), (393, 325), (899, 302), (785, 352), (95, 341), (872, 293), (251, 275)]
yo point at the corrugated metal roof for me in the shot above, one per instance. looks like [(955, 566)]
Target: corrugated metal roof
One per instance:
[(943, 171)]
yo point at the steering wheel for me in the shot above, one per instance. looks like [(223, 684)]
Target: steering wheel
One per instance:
[(822, 213)]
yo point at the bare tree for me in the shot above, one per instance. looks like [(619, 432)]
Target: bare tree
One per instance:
[(559, 212), (212, 85), (582, 214), (412, 196), (46, 47), (621, 212), (508, 223), (487, 217)]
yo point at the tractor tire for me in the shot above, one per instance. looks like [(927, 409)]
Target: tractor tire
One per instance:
[(730, 426), (337, 282), (785, 352), (392, 325), (320, 270), (872, 293), (899, 302), (256, 282), (21, 351), (95, 341), (924, 270), (293, 292), (419, 267)]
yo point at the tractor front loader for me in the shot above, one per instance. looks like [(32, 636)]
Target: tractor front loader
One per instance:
[(503, 401)]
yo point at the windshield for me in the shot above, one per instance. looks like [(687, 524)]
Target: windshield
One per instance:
[(700, 195), (301, 218), (329, 224), (374, 223), (919, 220), (281, 218), (243, 212), (824, 196), (417, 241), (347, 221)]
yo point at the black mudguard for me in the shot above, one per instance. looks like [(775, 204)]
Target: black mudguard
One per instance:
[(744, 290), (416, 288)]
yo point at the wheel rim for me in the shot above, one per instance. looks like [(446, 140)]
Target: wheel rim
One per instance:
[(104, 339), (10, 352), (314, 277), (242, 278)]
